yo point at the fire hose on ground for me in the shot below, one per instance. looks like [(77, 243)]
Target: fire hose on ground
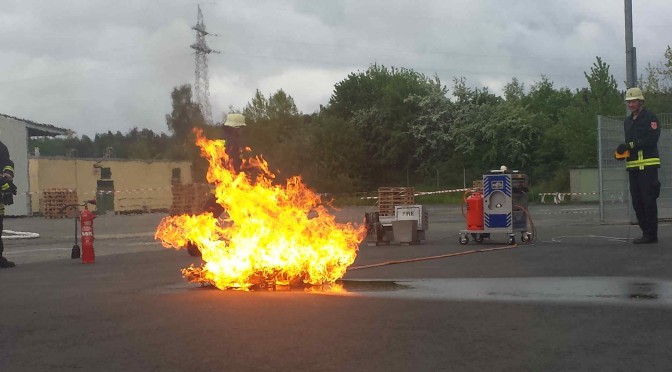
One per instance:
[(447, 255)]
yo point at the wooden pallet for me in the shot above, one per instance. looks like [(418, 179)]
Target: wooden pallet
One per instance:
[(189, 198), (54, 201), (388, 197)]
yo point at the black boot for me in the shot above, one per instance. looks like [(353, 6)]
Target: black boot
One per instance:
[(645, 239), (5, 263)]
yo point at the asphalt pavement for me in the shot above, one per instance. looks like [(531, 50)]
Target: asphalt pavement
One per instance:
[(580, 297)]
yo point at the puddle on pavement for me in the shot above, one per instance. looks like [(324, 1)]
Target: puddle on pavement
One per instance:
[(341, 286), (597, 290), (587, 290), (361, 286)]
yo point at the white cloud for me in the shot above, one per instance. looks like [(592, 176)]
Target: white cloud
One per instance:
[(308, 87), (93, 66)]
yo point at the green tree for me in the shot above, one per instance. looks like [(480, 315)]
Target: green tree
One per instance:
[(257, 109), (185, 116), (465, 95), (514, 91), (431, 127), (382, 103), (83, 148), (580, 120), (281, 105), (48, 146), (546, 104), (336, 157), (490, 132), (657, 86), (275, 130), (602, 95), (569, 138), (577, 123), (546, 100)]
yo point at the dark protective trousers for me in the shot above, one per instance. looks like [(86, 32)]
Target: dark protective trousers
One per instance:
[(644, 191), (2, 217)]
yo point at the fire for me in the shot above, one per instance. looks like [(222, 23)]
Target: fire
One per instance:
[(270, 235)]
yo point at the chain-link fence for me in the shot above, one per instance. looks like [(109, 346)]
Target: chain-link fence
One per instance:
[(615, 206)]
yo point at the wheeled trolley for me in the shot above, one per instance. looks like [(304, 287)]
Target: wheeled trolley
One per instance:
[(498, 205), (480, 235)]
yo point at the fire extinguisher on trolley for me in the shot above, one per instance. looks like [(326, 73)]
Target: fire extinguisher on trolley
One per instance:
[(474, 210)]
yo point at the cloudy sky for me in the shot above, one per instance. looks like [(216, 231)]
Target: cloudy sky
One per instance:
[(93, 66)]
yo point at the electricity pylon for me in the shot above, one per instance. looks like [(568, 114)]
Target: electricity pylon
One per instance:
[(202, 84)]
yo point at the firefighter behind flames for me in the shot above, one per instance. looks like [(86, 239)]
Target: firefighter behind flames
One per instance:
[(231, 133)]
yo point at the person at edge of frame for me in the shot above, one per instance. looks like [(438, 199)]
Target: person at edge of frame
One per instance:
[(8, 189), (640, 152)]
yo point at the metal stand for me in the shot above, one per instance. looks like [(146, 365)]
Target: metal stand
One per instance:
[(76, 252)]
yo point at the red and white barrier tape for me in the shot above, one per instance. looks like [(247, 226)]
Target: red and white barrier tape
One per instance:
[(102, 192), (424, 193)]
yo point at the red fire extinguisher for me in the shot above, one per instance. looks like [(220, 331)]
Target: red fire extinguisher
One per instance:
[(86, 221), (475, 211)]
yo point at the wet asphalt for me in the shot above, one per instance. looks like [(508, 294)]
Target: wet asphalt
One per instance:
[(580, 297)]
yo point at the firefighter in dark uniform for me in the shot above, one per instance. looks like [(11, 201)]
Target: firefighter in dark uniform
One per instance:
[(232, 137), (642, 130), (231, 133), (7, 192)]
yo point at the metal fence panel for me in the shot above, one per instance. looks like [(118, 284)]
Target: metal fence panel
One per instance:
[(615, 206)]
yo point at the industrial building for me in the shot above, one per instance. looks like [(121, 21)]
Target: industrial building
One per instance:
[(118, 185)]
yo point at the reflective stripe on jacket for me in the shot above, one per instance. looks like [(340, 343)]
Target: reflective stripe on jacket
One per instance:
[(641, 135), (641, 161)]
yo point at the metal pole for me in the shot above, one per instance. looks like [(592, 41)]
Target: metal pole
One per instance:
[(630, 50), (464, 177), (600, 170)]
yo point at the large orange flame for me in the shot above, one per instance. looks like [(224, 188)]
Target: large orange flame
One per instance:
[(270, 235)]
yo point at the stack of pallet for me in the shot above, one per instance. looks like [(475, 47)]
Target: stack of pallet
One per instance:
[(189, 198), (388, 197), (55, 200)]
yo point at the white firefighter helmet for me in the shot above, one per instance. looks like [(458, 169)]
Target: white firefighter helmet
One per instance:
[(634, 93), (235, 120)]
